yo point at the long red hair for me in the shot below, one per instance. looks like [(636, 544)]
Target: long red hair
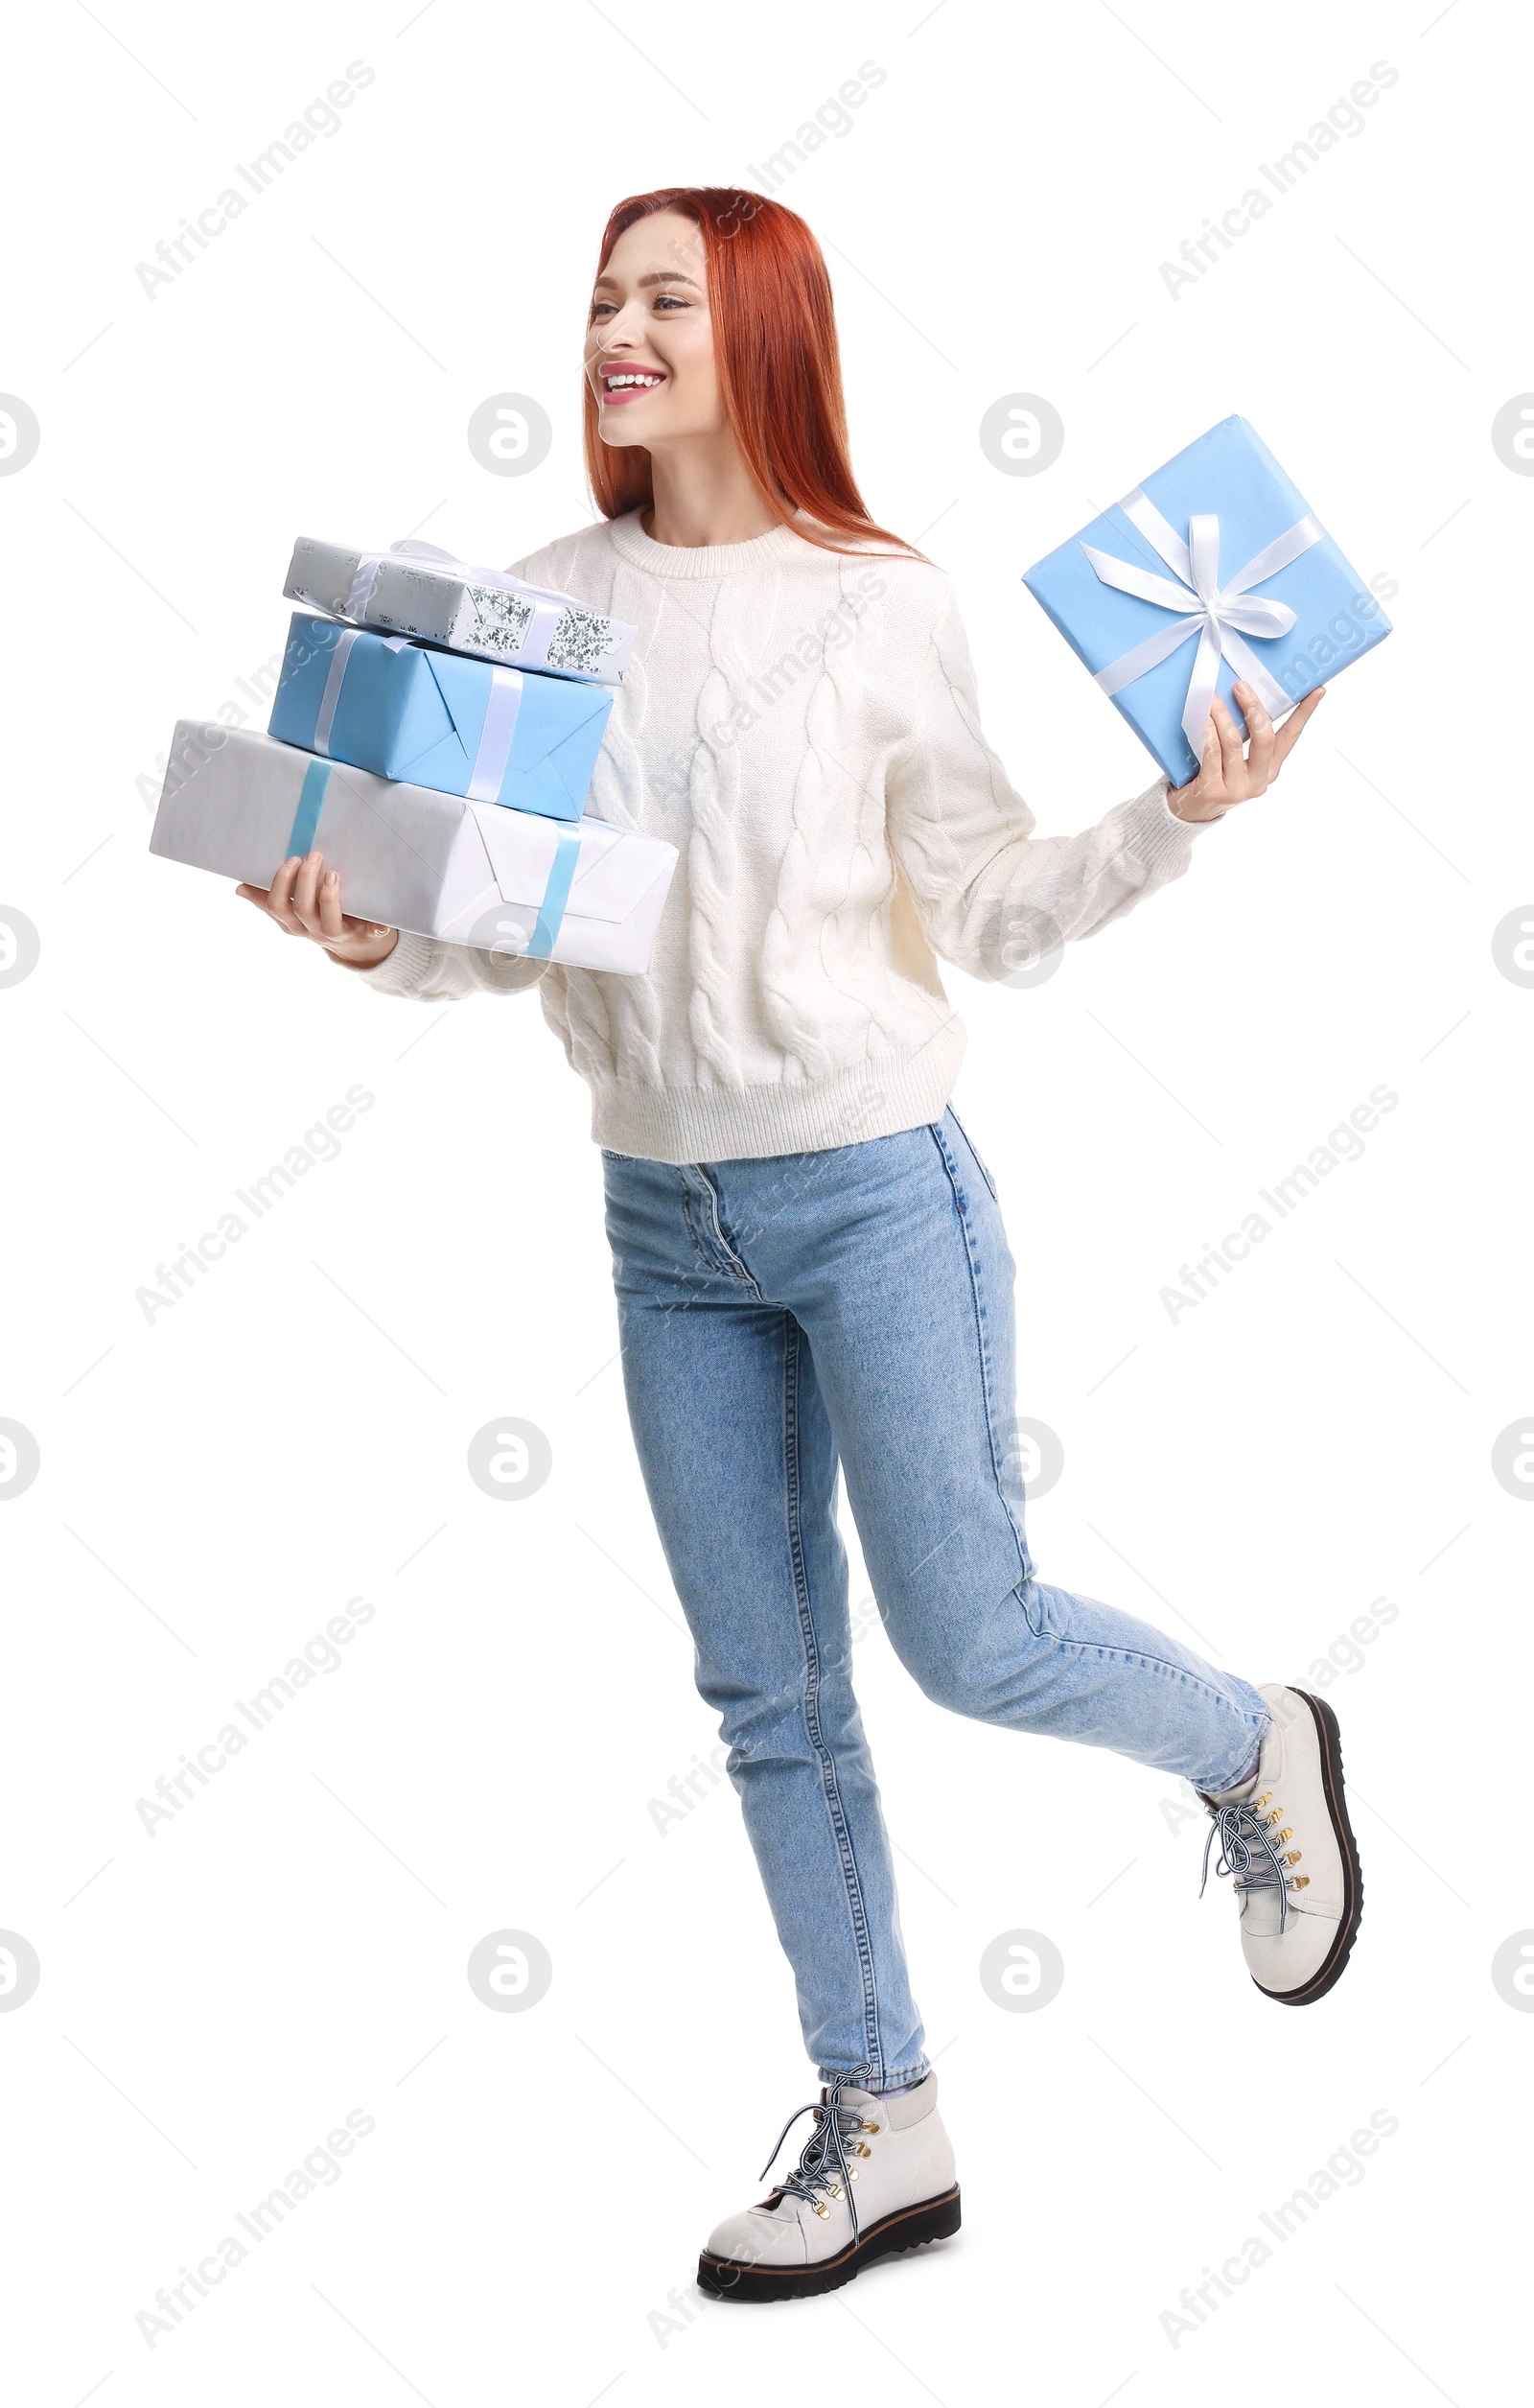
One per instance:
[(779, 366)]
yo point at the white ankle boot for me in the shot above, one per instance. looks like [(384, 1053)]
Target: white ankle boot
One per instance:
[(1285, 1841), (875, 2175)]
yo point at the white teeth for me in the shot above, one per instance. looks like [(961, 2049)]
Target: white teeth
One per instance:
[(615, 383)]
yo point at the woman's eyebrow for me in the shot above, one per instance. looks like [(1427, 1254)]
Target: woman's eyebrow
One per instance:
[(660, 275)]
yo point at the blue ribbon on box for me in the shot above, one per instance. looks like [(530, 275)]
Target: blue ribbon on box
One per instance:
[(556, 894), (556, 887), (311, 803)]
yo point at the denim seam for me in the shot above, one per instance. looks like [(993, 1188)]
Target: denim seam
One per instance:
[(729, 1262), (974, 1155), (1144, 1662), (1159, 1670), (793, 1339), (694, 1227), (982, 1337)]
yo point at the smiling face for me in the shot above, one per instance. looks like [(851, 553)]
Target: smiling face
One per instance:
[(649, 349)]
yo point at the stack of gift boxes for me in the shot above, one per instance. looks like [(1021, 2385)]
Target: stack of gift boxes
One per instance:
[(435, 737)]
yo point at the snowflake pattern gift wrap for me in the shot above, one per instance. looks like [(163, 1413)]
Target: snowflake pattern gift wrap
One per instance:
[(588, 894), (466, 727), (1213, 568), (414, 588)]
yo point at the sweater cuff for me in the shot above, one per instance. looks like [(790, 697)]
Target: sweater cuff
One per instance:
[(401, 972), (1157, 836)]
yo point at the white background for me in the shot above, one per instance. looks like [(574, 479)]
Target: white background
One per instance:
[(522, 2221)]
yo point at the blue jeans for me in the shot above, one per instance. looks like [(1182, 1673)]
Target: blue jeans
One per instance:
[(856, 1305)]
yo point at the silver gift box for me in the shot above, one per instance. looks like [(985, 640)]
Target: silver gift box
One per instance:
[(416, 590), (238, 803)]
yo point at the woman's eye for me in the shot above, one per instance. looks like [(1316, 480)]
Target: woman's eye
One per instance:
[(671, 300)]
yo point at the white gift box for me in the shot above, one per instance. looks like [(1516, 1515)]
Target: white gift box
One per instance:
[(239, 804), (415, 589)]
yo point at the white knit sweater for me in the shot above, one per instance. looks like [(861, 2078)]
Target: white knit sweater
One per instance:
[(803, 726)]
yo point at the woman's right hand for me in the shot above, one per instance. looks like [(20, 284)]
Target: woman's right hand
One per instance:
[(305, 900)]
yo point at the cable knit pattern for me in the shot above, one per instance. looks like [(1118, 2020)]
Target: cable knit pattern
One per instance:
[(716, 965), (802, 725), (811, 885)]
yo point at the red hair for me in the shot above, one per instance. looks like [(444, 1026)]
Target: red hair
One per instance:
[(779, 367)]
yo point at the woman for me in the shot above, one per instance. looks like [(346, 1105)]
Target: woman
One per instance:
[(809, 1258)]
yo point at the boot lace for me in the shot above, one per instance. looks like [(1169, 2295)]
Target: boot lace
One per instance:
[(1249, 1843), (822, 2173)]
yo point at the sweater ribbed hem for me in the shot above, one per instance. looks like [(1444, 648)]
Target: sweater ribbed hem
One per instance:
[(723, 1124)]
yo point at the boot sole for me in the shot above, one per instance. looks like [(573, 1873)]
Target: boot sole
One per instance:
[(1331, 1968), (907, 2228)]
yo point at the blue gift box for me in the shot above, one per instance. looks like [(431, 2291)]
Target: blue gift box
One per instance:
[(439, 720), (1218, 548)]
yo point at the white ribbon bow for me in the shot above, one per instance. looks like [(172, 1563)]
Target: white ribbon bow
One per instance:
[(550, 605), (1216, 611)]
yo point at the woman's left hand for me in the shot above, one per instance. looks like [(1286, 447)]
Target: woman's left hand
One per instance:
[(1226, 775)]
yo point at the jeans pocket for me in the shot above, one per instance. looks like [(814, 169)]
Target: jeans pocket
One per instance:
[(973, 1152)]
